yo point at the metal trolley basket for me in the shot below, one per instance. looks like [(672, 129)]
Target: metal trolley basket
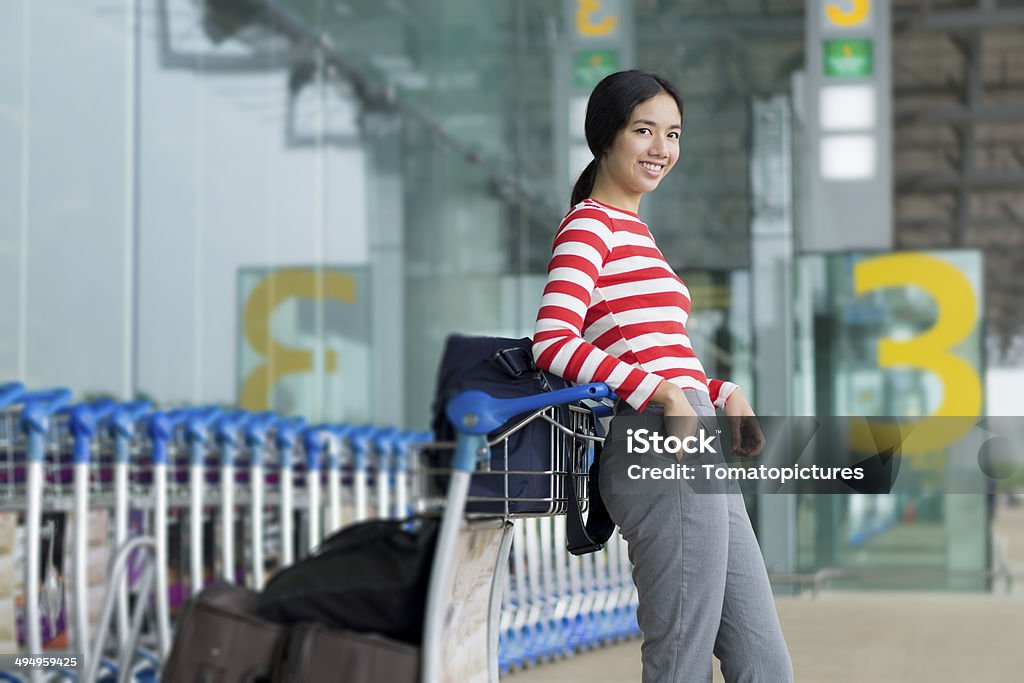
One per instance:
[(571, 436), (462, 623)]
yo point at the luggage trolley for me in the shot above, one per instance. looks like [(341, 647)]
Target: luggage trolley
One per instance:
[(461, 628), (60, 459)]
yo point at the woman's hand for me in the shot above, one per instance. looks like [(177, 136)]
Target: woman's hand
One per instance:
[(747, 439), (684, 421)]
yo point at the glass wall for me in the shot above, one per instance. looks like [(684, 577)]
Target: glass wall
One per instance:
[(895, 335), (291, 208), (151, 154)]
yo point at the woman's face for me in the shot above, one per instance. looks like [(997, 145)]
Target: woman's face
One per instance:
[(647, 148)]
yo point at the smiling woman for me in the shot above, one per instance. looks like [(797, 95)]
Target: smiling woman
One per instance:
[(613, 311)]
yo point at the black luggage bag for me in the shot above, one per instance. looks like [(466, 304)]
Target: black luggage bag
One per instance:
[(370, 577), (503, 368)]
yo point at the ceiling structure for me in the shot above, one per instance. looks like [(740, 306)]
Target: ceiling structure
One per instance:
[(957, 72)]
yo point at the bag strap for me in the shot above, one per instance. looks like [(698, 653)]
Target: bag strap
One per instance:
[(515, 361), (582, 538)]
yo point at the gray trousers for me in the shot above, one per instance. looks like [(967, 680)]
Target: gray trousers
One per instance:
[(700, 577)]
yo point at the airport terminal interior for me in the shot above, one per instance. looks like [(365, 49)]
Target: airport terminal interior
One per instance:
[(288, 205)]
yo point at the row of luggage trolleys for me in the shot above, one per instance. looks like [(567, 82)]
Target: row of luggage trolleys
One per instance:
[(56, 455)]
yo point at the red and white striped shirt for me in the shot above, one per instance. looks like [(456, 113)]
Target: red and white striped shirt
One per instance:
[(613, 310)]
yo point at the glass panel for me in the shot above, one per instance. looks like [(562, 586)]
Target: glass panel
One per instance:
[(63, 186), (924, 530)]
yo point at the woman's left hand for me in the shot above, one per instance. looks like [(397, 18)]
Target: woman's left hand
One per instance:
[(747, 439)]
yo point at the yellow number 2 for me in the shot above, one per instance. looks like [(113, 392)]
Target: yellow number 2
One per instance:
[(585, 24), (848, 18)]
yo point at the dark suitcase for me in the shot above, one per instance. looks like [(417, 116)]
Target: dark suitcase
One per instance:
[(315, 653), (220, 639)]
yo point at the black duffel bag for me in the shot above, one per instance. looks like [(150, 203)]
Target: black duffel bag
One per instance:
[(368, 577)]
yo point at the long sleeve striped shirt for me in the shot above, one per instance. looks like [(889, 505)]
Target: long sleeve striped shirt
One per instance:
[(613, 310)]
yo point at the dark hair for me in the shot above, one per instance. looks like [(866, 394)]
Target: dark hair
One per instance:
[(608, 111)]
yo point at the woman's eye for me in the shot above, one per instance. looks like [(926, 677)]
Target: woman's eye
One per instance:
[(643, 130), (674, 135)]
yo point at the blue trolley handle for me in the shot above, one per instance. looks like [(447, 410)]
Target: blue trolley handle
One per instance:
[(9, 393), (227, 429), (314, 440), (122, 419), (255, 431), (477, 413), (39, 407), (198, 423)]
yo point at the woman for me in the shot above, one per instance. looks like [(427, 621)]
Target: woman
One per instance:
[(613, 311)]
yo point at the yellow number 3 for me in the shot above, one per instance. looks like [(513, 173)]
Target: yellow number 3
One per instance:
[(931, 350)]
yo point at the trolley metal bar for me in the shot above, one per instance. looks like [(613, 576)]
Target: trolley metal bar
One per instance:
[(161, 428), (256, 440), (227, 428), (383, 444), (338, 448), (314, 440), (285, 437), (121, 425), (118, 569), (198, 422), (403, 445), (360, 441), (37, 409), (83, 423)]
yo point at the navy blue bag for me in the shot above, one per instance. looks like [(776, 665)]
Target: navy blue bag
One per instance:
[(504, 369)]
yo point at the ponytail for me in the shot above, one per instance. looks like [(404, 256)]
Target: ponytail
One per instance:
[(584, 184)]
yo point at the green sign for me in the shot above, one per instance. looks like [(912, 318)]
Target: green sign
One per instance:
[(848, 58), (590, 66)]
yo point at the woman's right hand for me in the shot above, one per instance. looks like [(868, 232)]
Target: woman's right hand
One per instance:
[(684, 421)]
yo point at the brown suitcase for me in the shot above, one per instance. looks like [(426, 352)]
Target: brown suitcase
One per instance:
[(316, 653), (220, 640)]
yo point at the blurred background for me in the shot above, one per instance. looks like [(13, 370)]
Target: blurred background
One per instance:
[(289, 204)]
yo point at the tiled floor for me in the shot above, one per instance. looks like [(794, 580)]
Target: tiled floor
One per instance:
[(879, 637)]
